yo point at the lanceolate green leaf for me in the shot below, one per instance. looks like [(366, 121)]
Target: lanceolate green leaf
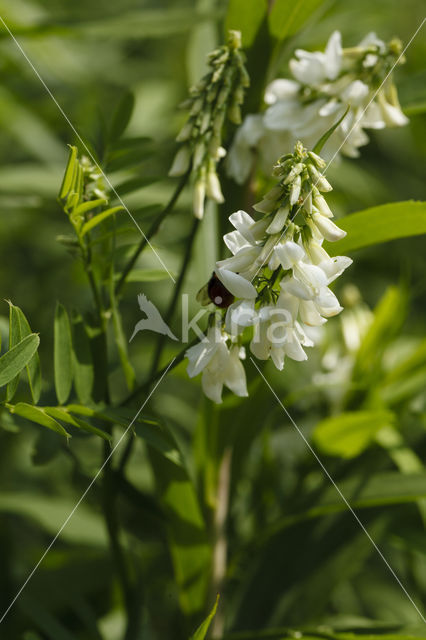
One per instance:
[(14, 338), (62, 413), (201, 632), (33, 367), (17, 358), (85, 207), (37, 415), (63, 363), (93, 222), (380, 224), (288, 16), (348, 434), (84, 373), (70, 175)]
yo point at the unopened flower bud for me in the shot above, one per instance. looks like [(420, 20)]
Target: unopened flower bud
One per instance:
[(199, 197), (278, 221), (181, 162), (214, 190), (295, 171), (295, 190)]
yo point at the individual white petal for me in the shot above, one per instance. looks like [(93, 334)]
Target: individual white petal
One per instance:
[(241, 261), (236, 284), (355, 93), (334, 267), (212, 385), (281, 89), (308, 68), (198, 198), (392, 115), (289, 253), (234, 375), (278, 356), (240, 159), (372, 117), (235, 241), (333, 55), (311, 276), (293, 348), (330, 108), (327, 228), (327, 303), (310, 314), (321, 203), (239, 315), (242, 222), (214, 190), (296, 288)]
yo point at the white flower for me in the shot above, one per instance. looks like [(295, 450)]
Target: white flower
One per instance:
[(315, 68), (220, 365), (237, 285), (326, 227)]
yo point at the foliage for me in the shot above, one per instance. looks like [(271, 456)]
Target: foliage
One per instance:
[(170, 483)]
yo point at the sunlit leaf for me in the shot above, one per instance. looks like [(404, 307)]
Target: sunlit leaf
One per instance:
[(288, 16), (17, 358), (380, 224), (82, 360), (62, 353), (93, 222), (348, 434), (39, 416), (246, 16), (201, 632)]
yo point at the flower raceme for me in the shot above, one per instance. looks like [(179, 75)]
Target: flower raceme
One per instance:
[(325, 84), (217, 96), (275, 286)]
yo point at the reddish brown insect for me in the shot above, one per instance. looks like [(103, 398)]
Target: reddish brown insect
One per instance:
[(218, 293)]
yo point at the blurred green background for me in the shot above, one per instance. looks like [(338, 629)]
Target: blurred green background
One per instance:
[(289, 567)]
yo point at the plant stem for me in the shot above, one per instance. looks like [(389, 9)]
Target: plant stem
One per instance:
[(220, 543), (151, 232), (176, 292)]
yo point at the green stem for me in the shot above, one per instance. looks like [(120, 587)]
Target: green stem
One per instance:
[(151, 232), (176, 292)]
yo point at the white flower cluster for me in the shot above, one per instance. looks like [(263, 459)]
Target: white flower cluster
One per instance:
[(277, 280), (217, 96), (325, 84)]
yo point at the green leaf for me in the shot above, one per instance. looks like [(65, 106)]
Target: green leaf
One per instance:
[(154, 434), (14, 338), (84, 373), (93, 222), (37, 415), (349, 434), (62, 413), (85, 207), (17, 358), (63, 360), (388, 318), (70, 175), (288, 16), (321, 142), (33, 367), (188, 539), (121, 342), (201, 632), (122, 115), (380, 224), (246, 16)]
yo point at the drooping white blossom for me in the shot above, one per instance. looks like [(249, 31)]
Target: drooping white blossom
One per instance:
[(325, 84), (275, 285)]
